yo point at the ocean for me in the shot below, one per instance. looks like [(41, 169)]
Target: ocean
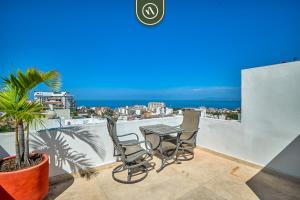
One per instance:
[(169, 103)]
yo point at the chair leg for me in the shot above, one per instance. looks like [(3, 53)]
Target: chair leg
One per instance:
[(129, 175), (122, 168), (184, 153)]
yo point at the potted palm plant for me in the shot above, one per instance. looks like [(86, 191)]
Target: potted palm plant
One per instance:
[(25, 175)]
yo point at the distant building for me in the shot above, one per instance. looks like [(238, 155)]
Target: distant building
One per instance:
[(59, 100), (154, 106), (139, 109), (138, 112), (169, 111), (147, 115), (131, 112), (101, 110), (122, 111), (158, 111), (180, 112), (203, 112)]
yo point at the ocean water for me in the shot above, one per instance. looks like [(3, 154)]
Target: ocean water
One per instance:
[(169, 103)]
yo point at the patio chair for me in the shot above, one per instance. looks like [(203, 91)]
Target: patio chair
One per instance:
[(187, 142), (135, 159)]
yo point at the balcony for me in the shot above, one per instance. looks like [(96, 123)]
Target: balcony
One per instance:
[(257, 158), (81, 163)]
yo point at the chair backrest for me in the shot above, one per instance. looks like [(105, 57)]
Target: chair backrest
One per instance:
[(190, 123), (112, 130)]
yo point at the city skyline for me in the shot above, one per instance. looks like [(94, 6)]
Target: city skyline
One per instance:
[(196, 52)]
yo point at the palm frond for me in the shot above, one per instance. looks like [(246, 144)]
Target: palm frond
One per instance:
[(18, 107), (52, 80), (25, 82)]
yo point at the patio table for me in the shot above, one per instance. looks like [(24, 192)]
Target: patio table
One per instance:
[(159, 133)]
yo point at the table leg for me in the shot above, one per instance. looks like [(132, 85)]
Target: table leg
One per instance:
[(177, 147), (162, 155)]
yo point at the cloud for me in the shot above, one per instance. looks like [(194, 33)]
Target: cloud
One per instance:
[(209, 93)]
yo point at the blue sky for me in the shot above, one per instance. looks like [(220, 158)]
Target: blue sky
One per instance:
[(103, 52)]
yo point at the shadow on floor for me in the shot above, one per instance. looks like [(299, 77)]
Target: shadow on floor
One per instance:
[(58, 186), (279, 179)]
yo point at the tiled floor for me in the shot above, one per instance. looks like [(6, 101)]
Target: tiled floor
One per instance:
[(207, 176)]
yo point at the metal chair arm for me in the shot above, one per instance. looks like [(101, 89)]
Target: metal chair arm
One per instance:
[(186, 141), (148, 144), (192, 131), (137, 137), (150, 148)]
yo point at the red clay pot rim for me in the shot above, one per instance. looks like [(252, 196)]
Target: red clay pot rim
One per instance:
[(45, 159)]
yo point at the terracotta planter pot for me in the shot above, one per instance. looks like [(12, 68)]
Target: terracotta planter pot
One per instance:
[(26, 184)]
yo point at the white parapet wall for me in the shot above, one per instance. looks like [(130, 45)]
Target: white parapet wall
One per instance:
[(72, 148), (271, 116), (269, 132)]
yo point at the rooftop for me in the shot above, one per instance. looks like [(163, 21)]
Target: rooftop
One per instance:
[(267, 136)]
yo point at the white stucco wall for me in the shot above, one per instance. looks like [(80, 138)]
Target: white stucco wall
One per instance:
[(219, 135), (73, 145), (271, 114), (222, 136)]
